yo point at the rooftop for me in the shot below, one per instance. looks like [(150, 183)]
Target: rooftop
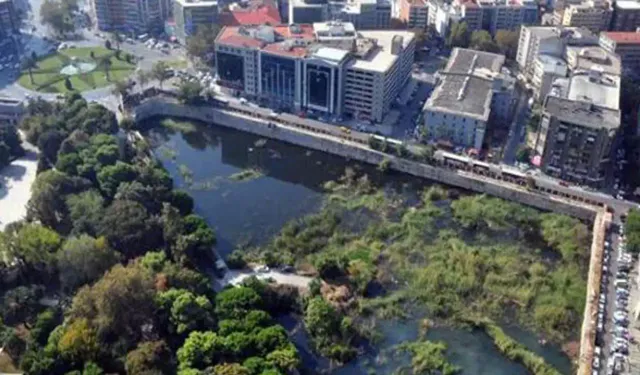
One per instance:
[(570, 33), (468, 61), (261, 36), (589, 57), (197, 3), (552, 64), (259, 12), (334, 29), (468, 95), (582, 113), (628, 4), (623, 37), (594, 87), (377, 57)]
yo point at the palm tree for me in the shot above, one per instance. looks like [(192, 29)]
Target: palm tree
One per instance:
[(28, 64), (159, 71), (107, 66), (116, 40)]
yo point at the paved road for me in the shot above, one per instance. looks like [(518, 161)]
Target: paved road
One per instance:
[(516, 131), (407, 122), (235, 277), (612, 266), (15, 186)]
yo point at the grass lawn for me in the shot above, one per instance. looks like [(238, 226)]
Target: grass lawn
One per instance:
[(178, 64), (48, 68)]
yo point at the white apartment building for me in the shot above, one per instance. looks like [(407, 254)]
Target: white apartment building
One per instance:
[(441, 15), (363, 14), (548, 40), (473, 89), (547, 68), (594, 15)]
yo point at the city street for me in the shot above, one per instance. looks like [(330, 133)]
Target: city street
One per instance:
[(517, 130)]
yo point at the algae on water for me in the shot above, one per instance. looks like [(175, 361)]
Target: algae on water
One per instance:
[(246, 175)]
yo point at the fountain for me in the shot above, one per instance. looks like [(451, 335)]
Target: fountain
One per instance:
[(77, 67)]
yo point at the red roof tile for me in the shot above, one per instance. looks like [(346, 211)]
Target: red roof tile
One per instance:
[(622, 37), (230, 36), (282, 50), (258, 13)]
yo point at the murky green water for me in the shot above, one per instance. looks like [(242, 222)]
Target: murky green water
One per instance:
[(285, 183)]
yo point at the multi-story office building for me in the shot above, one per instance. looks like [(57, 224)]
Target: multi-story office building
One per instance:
[(594, 15), (494, 15), (191, 14), (626, 45), (415, 13), (135, 16), (473, 90), (576, 140), (328, 67), (308, 11), (11, 111), (548, 40), (626, 15)]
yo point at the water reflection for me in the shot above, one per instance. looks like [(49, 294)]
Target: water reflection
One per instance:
[(252, 211)]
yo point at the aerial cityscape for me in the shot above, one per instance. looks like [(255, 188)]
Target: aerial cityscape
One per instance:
[(272, 187)]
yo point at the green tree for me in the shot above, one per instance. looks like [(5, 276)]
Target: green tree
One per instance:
[(106, 65), (20, 304), (201, 45), (150, 357), (507, 42), (33, 247), (230, 369), (286, 359), (459, 36), (86, 211), (129, 229), (481, 41), (83, 260), (67, 84), (234, 303), (632, 230), (57, 15), (159, 71), (113, 175), (142, 77), (182, 201), (121, 90), (189, 92), (200, 350), (79, 342), (187, 311), (119, 305)]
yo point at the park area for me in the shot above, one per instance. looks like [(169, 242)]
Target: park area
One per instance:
[(77, 69)]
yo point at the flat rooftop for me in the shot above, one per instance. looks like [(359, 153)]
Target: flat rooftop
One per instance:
[(466, 61), (380, 58), (582, 113), (603, 90), (628, 4), (572, 33), (197, 3), (462, 95), (590, 57), (623, 37)]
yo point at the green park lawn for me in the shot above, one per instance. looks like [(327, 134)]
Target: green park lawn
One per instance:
[(47, 76)]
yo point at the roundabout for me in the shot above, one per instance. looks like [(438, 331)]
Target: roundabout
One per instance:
[(77, 70)]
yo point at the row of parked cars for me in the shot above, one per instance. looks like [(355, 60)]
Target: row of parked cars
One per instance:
[(620, 337)]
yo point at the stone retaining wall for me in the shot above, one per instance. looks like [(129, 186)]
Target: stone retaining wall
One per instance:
[(161, 107)]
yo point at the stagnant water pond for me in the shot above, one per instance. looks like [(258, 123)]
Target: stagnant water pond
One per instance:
[(248, 188)]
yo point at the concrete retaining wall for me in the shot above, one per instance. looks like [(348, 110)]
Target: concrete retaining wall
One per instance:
[(161, 107)]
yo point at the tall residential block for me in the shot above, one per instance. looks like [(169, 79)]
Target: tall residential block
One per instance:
[(494, 15)]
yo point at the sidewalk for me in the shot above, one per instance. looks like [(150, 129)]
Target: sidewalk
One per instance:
[(15, 188), (634, 324)]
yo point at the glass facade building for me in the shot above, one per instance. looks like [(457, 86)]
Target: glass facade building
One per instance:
[(278, 79)]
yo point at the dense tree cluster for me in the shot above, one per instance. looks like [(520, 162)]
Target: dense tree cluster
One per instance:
[(504, 41), (632, 230), (10, 147), (113, 249)]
